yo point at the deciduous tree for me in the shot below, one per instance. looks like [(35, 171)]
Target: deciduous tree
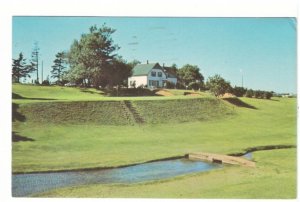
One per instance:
[(190, 73), (217, 85)]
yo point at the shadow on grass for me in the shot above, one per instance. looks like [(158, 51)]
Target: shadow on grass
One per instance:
[(91, 92), (16, 115), (18, 138), (130, 92), (274, 100), (17, 96), (239, 103), (262, 148), (190, 93)]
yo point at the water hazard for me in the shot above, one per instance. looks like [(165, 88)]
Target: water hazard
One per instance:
[(27, 184)]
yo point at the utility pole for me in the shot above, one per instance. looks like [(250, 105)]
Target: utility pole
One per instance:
[(37, 66), (242, 77), (42, 71), (35, 60), (242, 81)]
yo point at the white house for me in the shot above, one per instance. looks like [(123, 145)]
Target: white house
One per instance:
[(171, 74), (151, 75)]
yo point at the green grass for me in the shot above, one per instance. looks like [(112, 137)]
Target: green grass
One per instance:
[(69, 146), (179, 110), (80, 112), (116, 113), (32, 93), (48, 93), (177, 92), (273, 178), (73, 134)]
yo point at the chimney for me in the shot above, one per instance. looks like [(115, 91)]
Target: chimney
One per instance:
[(163, 64), (147, 62)]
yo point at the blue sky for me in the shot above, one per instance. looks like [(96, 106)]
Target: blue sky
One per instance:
[(262, 50)]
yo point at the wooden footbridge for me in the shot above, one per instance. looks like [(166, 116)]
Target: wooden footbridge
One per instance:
[(219, 158)]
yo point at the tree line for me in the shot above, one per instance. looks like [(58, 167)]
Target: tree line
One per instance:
[(92, 61)]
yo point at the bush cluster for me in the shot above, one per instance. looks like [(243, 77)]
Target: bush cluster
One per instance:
[(179, 85), (170, 85), (240, 92), (194, 86)]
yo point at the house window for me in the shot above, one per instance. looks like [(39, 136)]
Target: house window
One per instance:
[(153, 83), (159, 74), (153, 74)]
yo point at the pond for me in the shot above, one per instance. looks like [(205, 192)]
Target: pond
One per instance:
[(248, 155), (27, 184)]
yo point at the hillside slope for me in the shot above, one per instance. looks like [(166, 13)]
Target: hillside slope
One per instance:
[(182, 110), (48, 93), (118, 113)]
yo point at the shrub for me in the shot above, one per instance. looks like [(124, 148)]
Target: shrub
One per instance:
[(46, 83), (169, 85), (258, 94), (140, 86), (61, 83), (267, 95), (249, 93), (239, 91), (179, 85), (133, 84), (195, 86), (217, 85)]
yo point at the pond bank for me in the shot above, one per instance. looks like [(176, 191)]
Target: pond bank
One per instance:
[(262, 148), (28, 184), (100, 168), (32, 183), (247, 151)]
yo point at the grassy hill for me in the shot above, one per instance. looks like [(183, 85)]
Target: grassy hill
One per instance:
[(179, 110), (75, 132), (65, 105), (31, 93), (116, 112), (79, 112), (48, 93)]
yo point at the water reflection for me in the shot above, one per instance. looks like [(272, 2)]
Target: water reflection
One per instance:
[(248, 155)]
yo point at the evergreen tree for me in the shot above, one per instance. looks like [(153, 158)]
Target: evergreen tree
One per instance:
[(91, 57), (20, 69), (133, 63), (58, 69)]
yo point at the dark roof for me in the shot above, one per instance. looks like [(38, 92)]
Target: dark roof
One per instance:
[(170, 72), (144, 69)]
